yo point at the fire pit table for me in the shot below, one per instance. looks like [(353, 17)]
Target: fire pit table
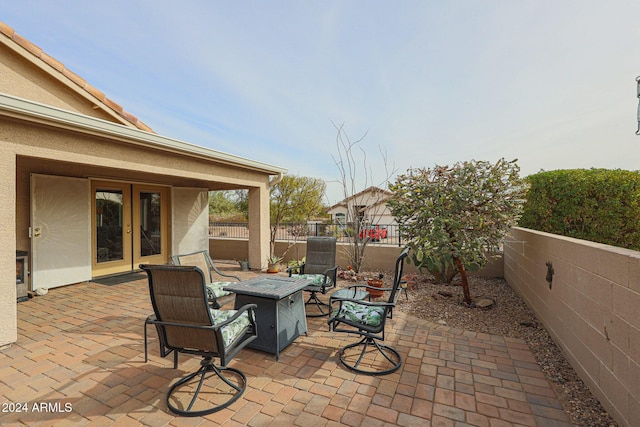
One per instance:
[(280, 316)]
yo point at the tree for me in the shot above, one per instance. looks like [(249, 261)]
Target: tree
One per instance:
[(459, 213), (220, 204), (294, 199), (356, 175)]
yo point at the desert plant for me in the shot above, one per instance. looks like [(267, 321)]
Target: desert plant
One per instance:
[(462, 211), (356, 177), (440, 265)]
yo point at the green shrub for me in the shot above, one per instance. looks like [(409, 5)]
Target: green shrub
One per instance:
[(599, 205)]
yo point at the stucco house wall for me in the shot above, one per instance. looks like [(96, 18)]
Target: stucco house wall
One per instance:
[(52, 123), (369, 203)]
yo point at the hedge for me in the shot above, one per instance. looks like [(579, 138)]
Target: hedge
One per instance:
[(600, 205)]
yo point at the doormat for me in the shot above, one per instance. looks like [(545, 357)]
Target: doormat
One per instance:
[(119, 279)]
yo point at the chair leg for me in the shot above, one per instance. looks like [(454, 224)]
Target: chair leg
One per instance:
[(146, 358), (389, 353), (207, 367), (314, 300)]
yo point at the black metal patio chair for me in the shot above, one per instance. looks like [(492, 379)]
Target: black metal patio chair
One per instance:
[(217, 280), (368, 320), (320, 267), (187, 324)]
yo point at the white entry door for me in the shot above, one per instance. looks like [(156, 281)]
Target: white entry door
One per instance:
[(60, 231)]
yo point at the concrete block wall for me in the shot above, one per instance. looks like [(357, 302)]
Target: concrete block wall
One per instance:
[(591, 308)]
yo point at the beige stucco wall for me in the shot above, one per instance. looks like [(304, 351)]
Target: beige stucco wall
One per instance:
[(259, 225), (28, 148), (592, 310), (8, 310), (35, 138), (46, 151), (23, 79), (379, 257)]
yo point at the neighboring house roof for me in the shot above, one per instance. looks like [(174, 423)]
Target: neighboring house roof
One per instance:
[(379, 203), (372, 189), (60, 72)]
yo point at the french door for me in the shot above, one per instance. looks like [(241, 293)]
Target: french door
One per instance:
[(129, 226)]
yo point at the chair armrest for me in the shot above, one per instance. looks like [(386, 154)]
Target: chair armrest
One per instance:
[(217, 326), (333, 271), (297, 267), (333, 274), (212, 265), (370, 287), (367, 303), (224, 274)]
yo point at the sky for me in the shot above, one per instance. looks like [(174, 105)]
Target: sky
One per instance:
[(419, 83)]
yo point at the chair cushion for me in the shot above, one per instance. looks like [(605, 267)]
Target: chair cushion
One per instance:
[(364, 314), (318, 279), (232, 330), (216, 289)]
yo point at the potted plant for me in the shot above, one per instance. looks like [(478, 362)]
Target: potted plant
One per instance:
[(376, 283), (409, 280), (272, 263)]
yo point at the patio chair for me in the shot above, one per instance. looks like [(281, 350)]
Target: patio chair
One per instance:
[(186, 324), (217, 280), (319, 266), (368, 319)]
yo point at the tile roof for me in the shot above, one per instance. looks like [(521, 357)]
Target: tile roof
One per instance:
[(72, 77)]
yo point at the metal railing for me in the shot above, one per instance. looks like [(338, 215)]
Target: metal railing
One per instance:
[(388, 234)]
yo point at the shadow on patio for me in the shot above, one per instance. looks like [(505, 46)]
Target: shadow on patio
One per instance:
[(79, 359)]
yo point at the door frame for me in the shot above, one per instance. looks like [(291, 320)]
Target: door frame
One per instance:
[(163, 256), (124, 264), (131, 227)]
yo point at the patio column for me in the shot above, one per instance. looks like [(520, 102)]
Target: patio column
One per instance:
[(8, 307), (258, 226)]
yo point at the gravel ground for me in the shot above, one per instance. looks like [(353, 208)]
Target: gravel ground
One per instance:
[(508, 316)]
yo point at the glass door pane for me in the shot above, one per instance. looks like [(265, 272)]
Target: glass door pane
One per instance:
[(109, 225), (150, 223), (150, 218)]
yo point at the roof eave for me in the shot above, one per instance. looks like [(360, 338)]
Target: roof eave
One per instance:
[(36, 112)]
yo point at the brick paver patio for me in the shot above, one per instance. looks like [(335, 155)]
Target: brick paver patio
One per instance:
[(79, 361)]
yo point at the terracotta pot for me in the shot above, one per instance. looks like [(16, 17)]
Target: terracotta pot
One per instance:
[(377, 283), (410, 280), (273, 268)]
